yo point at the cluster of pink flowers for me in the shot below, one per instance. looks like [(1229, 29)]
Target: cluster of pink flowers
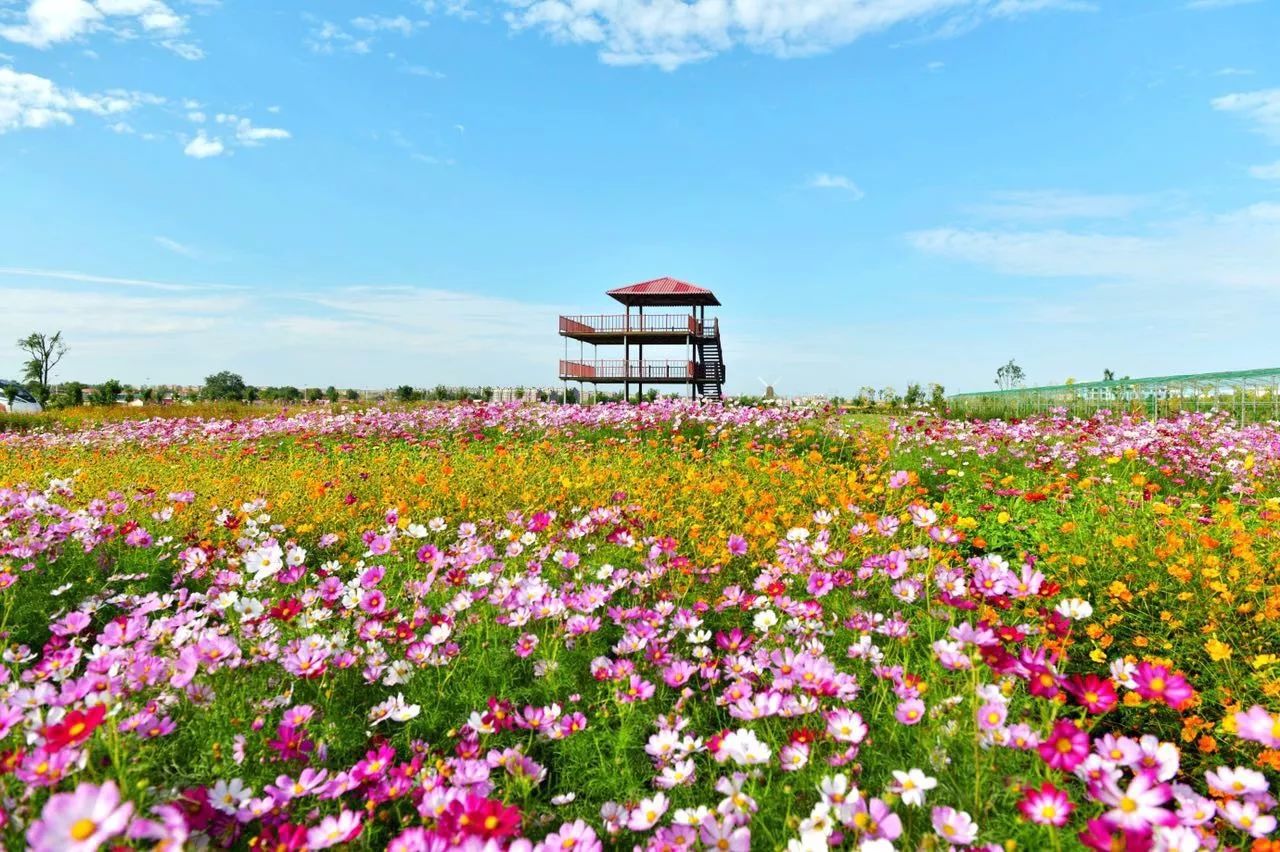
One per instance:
[(803, 652), (1204, 446), (471, 418)]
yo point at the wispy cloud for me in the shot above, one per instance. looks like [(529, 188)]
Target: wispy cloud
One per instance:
[(113, 281), (1216, 4), (671, 33), (177, 247), (1270, 171), (825, 180), (1056, 204), (1262, 108), (353, 336), (1236, 249)]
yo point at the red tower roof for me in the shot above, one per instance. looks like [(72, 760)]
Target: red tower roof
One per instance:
[(664, 291)]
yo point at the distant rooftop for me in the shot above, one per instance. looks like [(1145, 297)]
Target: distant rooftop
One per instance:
[(664, 292)]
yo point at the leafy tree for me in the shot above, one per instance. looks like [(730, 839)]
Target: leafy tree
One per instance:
[(914, 396), (352, 395), (106, 392), (487, 394), (406, 393), (1108, 376), (45, 352), (314, 394), (1010, 376), (10, 394), (224, 386), (72, 393), (251, 393), (331, 394), (937, 395)]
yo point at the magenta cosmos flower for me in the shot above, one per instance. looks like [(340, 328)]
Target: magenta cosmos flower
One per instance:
[(1066, 747), (1046, 806), (1157, 683), (80, 821)]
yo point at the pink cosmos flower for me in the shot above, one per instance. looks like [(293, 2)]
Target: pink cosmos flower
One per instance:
[(724, 835), (574, 836), (80, 821), (646, 814), (1248, 817), (737, 545), (953, 826), (1046, 806), (910, 712), (333, 830), (1065, 747), (373, 602), (1139, 806), (991, 715), (380, 545), (1259, 726)]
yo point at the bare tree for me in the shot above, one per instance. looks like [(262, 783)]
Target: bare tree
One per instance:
[(1010, 376), (45, 351)]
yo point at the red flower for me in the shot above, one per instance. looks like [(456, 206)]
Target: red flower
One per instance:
[(75, 728), (287, 610)]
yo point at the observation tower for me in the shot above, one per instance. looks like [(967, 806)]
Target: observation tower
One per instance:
[(700, 362)]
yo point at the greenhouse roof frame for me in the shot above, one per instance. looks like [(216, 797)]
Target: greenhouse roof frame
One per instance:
[(1269, 376)]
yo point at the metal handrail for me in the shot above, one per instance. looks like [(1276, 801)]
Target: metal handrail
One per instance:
[(637, 324), (619, 369)]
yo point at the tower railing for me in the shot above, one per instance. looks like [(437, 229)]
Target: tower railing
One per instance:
[(639, 370), (638, 324)]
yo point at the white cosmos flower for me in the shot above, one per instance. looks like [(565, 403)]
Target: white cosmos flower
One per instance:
[(912, 785), (1075, 609)]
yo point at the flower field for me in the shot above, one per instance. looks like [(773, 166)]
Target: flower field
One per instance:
[(535, 627)]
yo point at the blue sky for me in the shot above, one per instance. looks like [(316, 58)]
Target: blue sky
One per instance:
[(880, 191)]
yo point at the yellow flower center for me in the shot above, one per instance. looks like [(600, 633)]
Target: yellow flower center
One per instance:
[(83, 829)]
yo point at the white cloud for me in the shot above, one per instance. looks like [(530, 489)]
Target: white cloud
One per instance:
[(1216, 4), (823, 180), (1044, 205), (383, 23), (177, 247), (28, 101), (50, 22), (203, 146), (327, 37), (349, 336), (1270, 171), (1261, 107), (1231, 71), (249, 135), (670, 33), (89, 278), (1237, 249)]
